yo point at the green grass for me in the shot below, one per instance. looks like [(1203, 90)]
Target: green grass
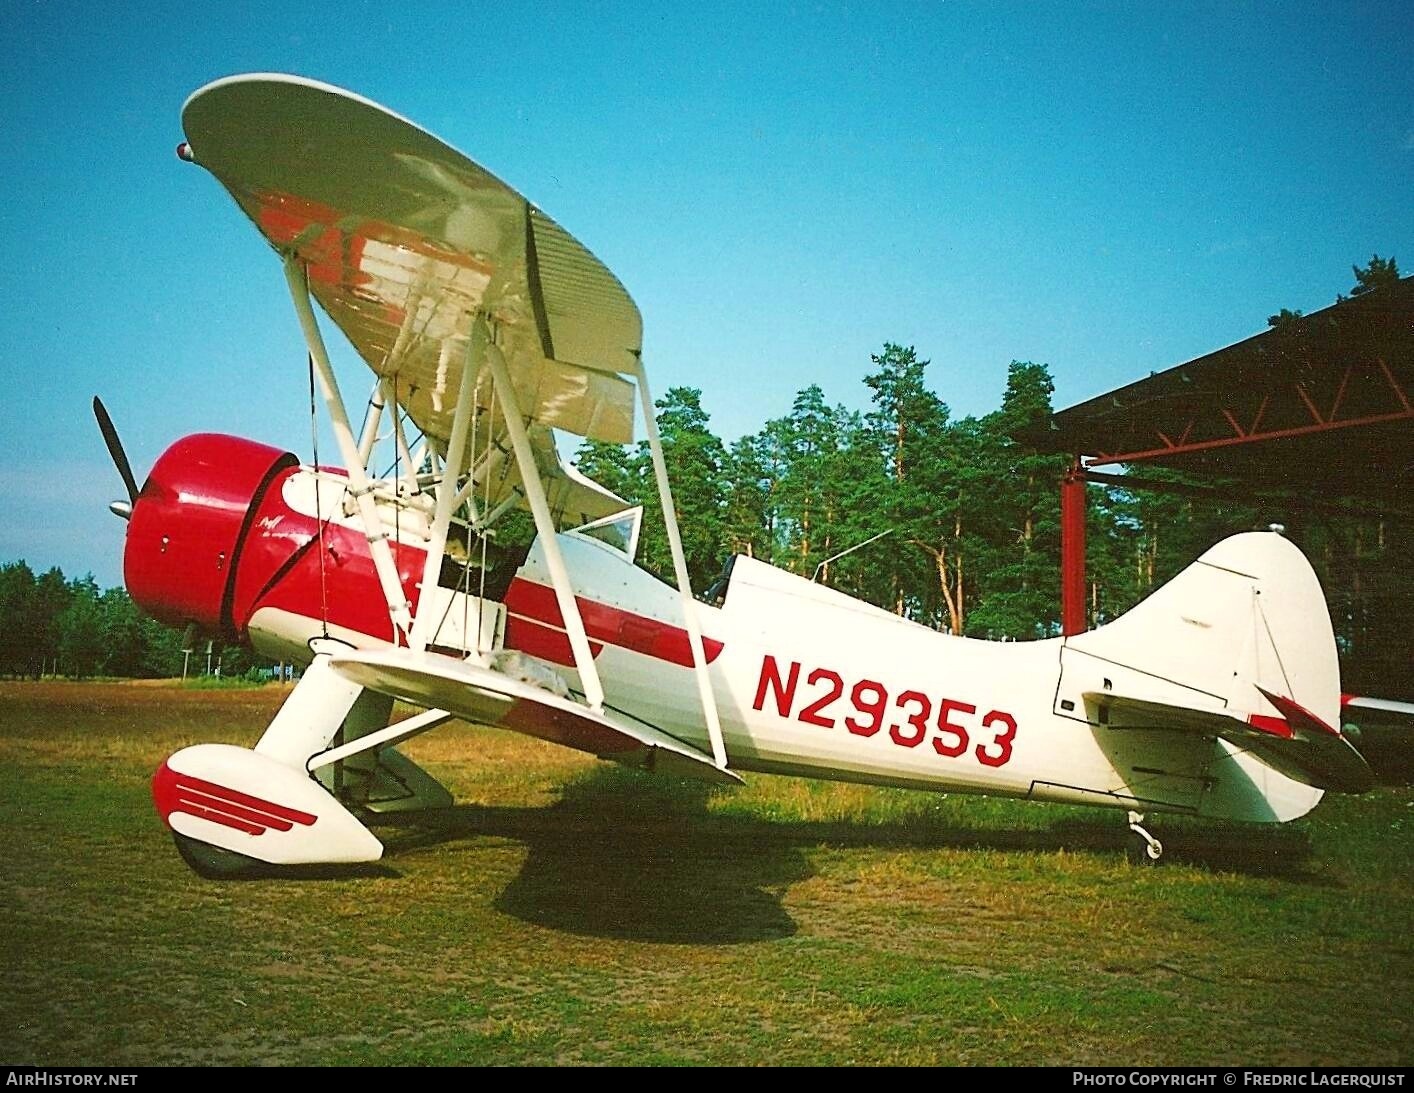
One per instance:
[(569, 911)]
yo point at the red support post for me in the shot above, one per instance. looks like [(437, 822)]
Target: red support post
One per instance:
[(1072, 503)]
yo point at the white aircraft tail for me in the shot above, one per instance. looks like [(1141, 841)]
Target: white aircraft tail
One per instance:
[(1237, 647), (1249, 613)]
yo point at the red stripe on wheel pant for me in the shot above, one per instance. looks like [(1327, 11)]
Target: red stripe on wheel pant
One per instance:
[(176, 792)]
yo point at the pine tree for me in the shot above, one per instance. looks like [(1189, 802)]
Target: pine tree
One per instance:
[(1380, 272), (17, 608), (81, 642)]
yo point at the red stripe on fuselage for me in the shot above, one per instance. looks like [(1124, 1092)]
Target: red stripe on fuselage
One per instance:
[(544, 642), (281, 567), (536, 603)]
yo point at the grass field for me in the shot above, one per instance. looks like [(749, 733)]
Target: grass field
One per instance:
[(570, 912)]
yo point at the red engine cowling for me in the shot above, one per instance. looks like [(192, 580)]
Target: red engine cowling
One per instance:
[(189, 523)]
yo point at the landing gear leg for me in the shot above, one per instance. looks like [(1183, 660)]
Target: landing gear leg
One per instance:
[(1142, 848)]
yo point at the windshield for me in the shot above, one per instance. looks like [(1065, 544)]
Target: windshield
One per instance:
[(619, 531)]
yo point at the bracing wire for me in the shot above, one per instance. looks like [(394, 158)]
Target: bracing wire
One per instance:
[(485, 508), (397, 470), (450, 481), (318, 506), (480, 532), (486, 495), (485, 461)]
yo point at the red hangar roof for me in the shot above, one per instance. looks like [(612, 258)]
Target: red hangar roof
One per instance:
[(1322, 405)]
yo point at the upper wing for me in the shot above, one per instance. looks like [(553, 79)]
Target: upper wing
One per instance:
[(406, 240)]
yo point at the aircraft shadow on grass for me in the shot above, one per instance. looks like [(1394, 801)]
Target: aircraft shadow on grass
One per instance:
[(626, 855)]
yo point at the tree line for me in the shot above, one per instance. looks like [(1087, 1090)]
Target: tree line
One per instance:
[(972, 516), (53, 626)]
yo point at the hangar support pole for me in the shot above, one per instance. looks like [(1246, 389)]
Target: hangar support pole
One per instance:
[(1072, 505)]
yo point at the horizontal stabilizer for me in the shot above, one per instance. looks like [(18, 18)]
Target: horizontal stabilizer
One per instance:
[(1294, 742), (489, 697)]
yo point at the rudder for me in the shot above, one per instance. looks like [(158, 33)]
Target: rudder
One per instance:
[(1249, 613), (1247, 617)]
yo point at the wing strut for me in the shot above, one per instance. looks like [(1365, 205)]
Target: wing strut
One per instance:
[(545, 528), (400, 436), (371, 417), (392, 734), (359, 485), (689, 605), (447, 488)]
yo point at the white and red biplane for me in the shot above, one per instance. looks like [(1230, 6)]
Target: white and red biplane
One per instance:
[(487, 326)]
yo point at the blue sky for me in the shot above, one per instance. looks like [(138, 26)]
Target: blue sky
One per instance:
[(1111, 189)]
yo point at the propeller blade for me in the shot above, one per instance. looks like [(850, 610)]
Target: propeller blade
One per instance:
[(115, 447)]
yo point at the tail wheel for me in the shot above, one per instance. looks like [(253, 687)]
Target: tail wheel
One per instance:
[(214, 863), (1143, 849)]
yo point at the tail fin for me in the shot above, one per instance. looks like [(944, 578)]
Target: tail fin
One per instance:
[(1241, 638), (1247, 616)]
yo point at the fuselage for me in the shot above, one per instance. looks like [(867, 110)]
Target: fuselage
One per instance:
[(811, 682), (807, 681)]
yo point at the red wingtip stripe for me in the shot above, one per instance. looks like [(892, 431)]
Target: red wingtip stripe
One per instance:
[(176, 792)]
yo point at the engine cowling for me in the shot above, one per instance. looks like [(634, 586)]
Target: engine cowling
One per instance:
[(189, 523)]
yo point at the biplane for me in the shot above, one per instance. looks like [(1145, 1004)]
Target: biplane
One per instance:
[(487, 327)]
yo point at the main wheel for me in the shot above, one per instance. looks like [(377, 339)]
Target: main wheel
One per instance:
[(212, 862)]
